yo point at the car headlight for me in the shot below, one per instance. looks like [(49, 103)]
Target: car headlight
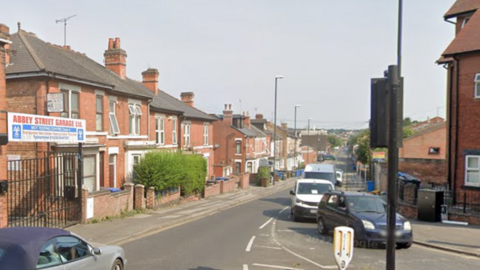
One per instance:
[(368, 225), (407, 226), (299, 201)]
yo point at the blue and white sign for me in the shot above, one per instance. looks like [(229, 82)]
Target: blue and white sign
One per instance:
[(39, 128)]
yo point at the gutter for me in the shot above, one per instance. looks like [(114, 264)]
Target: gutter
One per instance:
[(457, 84), (5, 41)]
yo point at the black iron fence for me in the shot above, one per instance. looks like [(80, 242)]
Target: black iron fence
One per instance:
[(44, 192), (460, 201)]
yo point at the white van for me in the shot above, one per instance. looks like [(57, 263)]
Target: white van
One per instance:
[(322, 171), (307, 194)]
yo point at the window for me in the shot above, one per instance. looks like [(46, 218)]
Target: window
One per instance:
[(99, 119), (160, 130), (89, 173), (186, 134), (238, 147), (249, 167), (60, 250), (174, 131), (472, 170), (464, 22), (134, 119), (114, 129), (434, 150), (205, 134), (238, 167), (477, 85), (70, 103), (332, 201)]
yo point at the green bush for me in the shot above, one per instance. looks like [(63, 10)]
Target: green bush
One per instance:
[(166, 169), (263, 172)]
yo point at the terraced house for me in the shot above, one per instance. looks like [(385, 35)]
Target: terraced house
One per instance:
[(125, 118)]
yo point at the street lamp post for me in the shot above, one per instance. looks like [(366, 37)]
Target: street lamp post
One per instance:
[(308, 145), (295, 133), (275, 129)]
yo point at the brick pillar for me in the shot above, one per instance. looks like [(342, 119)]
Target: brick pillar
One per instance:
[(221, 186), (130, 187), (139, 197), (3, 211), (151, 202), (4, 35), (84, 205)]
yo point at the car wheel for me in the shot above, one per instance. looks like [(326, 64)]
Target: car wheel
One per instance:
[(404, 245), (322, 229), (117, 265)]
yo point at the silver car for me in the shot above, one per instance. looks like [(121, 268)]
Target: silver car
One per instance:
[(54, 249)]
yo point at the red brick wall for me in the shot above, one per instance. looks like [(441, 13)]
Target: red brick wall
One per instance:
[(224, 136), (139, 201), (468, 107), (227, 186), (417, 147), (244, 181), (170, 197), (110, 204), (3, 128), (212, 190), (429, 171), (408, 211)]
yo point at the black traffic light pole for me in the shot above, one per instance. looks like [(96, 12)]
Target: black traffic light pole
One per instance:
[(393, 144)]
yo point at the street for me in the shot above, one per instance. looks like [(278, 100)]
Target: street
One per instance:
[(262, 235)]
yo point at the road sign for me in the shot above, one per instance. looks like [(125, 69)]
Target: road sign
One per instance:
[(55, 102), (378, 156), (39, 128), (343, 246)]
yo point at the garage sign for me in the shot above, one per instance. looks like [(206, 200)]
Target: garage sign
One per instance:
[(39, 128)]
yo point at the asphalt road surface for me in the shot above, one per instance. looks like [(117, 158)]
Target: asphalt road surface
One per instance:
[(261, 235)]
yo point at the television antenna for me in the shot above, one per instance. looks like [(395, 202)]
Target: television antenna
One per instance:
[(64, 20)]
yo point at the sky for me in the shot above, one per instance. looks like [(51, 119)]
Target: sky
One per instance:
[(230, 51)]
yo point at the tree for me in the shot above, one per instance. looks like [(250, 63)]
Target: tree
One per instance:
[(334, 140)]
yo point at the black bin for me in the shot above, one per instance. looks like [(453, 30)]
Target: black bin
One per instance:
[(430, 205)]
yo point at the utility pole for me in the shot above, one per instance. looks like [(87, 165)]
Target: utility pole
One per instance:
[(64, 20)]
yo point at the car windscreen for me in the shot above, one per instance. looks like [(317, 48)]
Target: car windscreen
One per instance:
[(313, 188), (362, 204), (320, 175)]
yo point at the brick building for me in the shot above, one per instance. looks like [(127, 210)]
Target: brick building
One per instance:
[(462, 60), (4, 45), (240, 146)]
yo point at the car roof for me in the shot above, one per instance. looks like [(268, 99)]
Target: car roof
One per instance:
[(350, 193), (313, 180), (23, 244), (319, 167)]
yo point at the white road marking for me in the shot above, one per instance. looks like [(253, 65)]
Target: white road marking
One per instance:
[(268, 247), (276, 266), (266, 223), (249, 246), (284, 209), (264, 234), (285, 231), (245, 267), (297, 255)]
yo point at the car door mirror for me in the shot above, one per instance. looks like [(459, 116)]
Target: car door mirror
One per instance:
[(97, 251), (292, 192)]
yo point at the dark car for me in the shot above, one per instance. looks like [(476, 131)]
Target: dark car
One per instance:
[(363, 212), (48, 248)]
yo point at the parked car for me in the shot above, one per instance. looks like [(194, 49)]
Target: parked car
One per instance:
[(306, 195), (339, 176), (54, 249), (365, 213), (321, 171)]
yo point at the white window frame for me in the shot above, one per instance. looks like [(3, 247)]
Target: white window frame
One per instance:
[(67, 103), (472, 169), (186, 134), (174, 131), (114, 128), (205, 133), (134, 119), (99, 115), (477, 85), (160, 130)]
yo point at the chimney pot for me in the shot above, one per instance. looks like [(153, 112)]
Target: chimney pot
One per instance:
[(117, 43), (187, 98), (116, 58), (110, 43)]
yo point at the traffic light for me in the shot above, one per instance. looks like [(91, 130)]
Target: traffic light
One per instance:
[(381, 89)]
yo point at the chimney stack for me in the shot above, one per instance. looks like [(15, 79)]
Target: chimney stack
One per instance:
[(284, 126), (116, 58), (5, 34), (259, 116), (150, 79), (228, 114), (187, 98), (246, 120)]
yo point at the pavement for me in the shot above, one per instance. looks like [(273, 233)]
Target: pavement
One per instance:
[(454, 238)]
